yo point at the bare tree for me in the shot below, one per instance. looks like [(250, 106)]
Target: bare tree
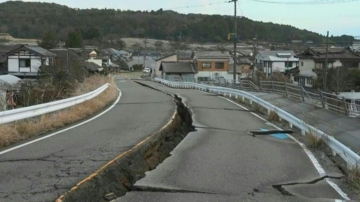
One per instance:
[(158, 45)]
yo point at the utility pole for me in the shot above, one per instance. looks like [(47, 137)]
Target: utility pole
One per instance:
[(254, 56), (326, 60), (178, 52), (145, 53), (235, 39)]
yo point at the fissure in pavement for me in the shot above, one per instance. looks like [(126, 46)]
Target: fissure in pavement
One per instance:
[(119, 177), (282, 190)]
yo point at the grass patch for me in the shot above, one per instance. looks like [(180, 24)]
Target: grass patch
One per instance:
[(257, 108), (354, 178), (274, 117), (314, 141), (240, 101), (17, 131)]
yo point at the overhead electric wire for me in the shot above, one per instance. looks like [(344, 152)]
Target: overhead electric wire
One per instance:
[(308, 2), (198, 5)]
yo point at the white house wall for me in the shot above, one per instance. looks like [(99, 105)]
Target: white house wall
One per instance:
[(337, 63), (278, 66), (35, 64), (213, 74), (13, 65), (96, 61)]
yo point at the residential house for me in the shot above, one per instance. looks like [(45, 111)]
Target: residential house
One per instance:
[(25, 61), (100, 60), (3, 58), (125, 53), (140, 55), (244, 68), (312, 62), (212, 65), (276, 61), (178, 71), (168, 58), (185, 56)]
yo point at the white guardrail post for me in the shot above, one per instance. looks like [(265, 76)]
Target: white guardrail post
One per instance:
[(36, 110), (351, 158)]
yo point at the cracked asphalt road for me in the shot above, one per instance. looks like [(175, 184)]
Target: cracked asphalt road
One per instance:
[(44, 170), (221, 161)]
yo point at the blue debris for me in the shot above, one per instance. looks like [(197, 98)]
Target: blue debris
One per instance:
[(277, 135)]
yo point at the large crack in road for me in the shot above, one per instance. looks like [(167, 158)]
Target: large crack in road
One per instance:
[(119, 177)]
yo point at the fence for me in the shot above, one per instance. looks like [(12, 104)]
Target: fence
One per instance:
[(32, 111), (319, 98), (351, 158)]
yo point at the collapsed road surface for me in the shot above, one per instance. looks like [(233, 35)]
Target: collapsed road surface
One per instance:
[(221, 161), (43, 170)]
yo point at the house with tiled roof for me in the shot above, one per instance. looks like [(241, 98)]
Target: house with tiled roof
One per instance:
[(275, 61), (176, 71), (212, 65), (312, 63), (24, 61)]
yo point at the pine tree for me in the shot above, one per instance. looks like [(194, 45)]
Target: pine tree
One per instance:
[(74, 39), (49, 40)]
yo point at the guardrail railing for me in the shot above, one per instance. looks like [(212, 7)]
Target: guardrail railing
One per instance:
[(350, 157), (318, 98), (36, 110)]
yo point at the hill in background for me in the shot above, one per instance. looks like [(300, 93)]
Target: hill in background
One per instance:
[(32, 19)]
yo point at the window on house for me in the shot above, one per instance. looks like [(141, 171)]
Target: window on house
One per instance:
[(296, 79), (302, 64), (24, 63), (206, 65), (219, 65), (318, 66), (290, 64), (309, 81)]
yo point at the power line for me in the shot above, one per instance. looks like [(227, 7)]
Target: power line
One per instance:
[(309, 2), (198, 5), (242, 13)]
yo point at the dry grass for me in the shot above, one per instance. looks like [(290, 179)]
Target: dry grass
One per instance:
[(257, 108), (240, 101), (314, 141), (354, 178), (274, 117), (21, 130)]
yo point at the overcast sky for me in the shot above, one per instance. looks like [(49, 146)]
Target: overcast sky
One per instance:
[(338, 18)]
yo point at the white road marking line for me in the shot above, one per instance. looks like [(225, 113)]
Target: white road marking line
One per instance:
[(313, 159), (66, 129)]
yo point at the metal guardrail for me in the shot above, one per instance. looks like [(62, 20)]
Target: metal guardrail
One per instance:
[(36, 110), (350, 157), (320, 99)]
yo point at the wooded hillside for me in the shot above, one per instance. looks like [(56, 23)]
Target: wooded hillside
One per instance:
[(33, 19)]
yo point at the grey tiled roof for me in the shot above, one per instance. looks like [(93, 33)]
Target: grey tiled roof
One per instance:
[(333, 53), (244, 61), (40, 51), (165, 56), (212, 54), (7, 48), (92, 66), (268, 53), (178, 67)]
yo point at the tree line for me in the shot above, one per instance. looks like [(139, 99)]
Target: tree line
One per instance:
[(33, 19)]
